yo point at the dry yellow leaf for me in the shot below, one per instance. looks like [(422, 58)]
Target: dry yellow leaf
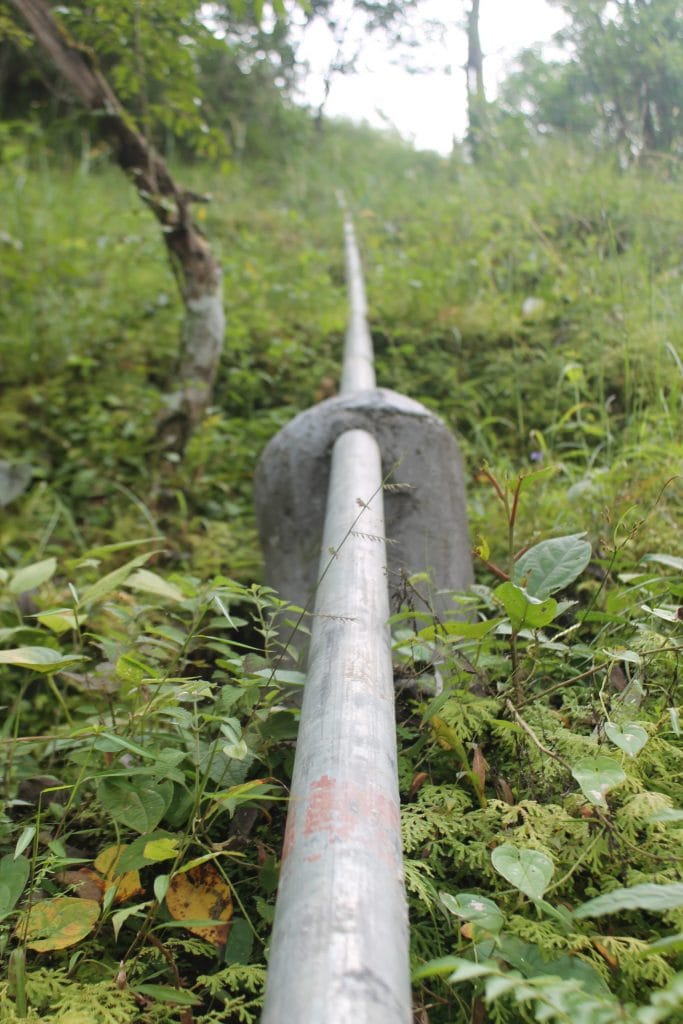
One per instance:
[(198, 895), (128, 885)]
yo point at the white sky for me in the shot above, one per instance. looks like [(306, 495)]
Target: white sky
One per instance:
[(427, 108)]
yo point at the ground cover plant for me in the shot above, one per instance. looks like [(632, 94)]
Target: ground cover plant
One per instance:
[(534, 302)]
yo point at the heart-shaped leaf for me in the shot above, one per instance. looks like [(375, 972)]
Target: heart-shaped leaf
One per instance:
[(471, 907), (596, 776), (552, 564), (630, 738), (138, 803), (523, 610), (529, 871)]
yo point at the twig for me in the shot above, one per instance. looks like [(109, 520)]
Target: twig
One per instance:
[(532, 735)]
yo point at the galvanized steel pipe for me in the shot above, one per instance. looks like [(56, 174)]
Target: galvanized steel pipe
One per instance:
[(358, 371), (339, 951)]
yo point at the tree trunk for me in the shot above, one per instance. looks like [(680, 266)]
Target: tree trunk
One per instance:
[(197, 270), (476, 97)]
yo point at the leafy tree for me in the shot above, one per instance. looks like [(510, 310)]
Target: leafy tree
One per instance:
[(623, 81), (154, 58), (194, 263)]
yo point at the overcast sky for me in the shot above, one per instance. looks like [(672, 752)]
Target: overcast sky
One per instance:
[(427, 108)]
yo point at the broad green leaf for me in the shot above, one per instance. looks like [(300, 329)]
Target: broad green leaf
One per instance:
[(438, 968), (281, 675), (40, 659), (113, 580), (523, 610), (596, 776), (533, 962), (472, 907), (11, 631), (14, 874), (31, 576), (240, 942), (470, 630), (150, 583), (648, 896), (466, 970), (137, 803), (630, 738), (238, 750), (57, 924), (552, 565), (59, 620), (529, 871), (110, 743)]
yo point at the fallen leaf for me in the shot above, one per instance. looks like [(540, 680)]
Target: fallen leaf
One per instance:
[(417, 784), (479, 765), (503, 790), (127, 884), (57, 924), (201, 894), (87, 884), (606, 955)]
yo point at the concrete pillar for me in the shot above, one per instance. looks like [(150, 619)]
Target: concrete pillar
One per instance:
[(426, 521)]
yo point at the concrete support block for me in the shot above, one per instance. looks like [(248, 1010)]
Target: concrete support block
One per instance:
[(426, 521)]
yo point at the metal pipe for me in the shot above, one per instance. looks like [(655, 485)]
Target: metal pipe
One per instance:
[(358, 370), (339, 952), (339, 949)]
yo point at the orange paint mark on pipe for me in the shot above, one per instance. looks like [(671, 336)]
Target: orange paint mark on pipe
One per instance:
[(341, 811)]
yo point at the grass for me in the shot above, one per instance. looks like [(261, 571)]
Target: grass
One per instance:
[(535, 304)]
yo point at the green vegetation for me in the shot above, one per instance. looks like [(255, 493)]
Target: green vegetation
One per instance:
[(534, 301)]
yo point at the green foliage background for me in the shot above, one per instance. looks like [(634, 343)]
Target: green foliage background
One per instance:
[(534, 302)]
